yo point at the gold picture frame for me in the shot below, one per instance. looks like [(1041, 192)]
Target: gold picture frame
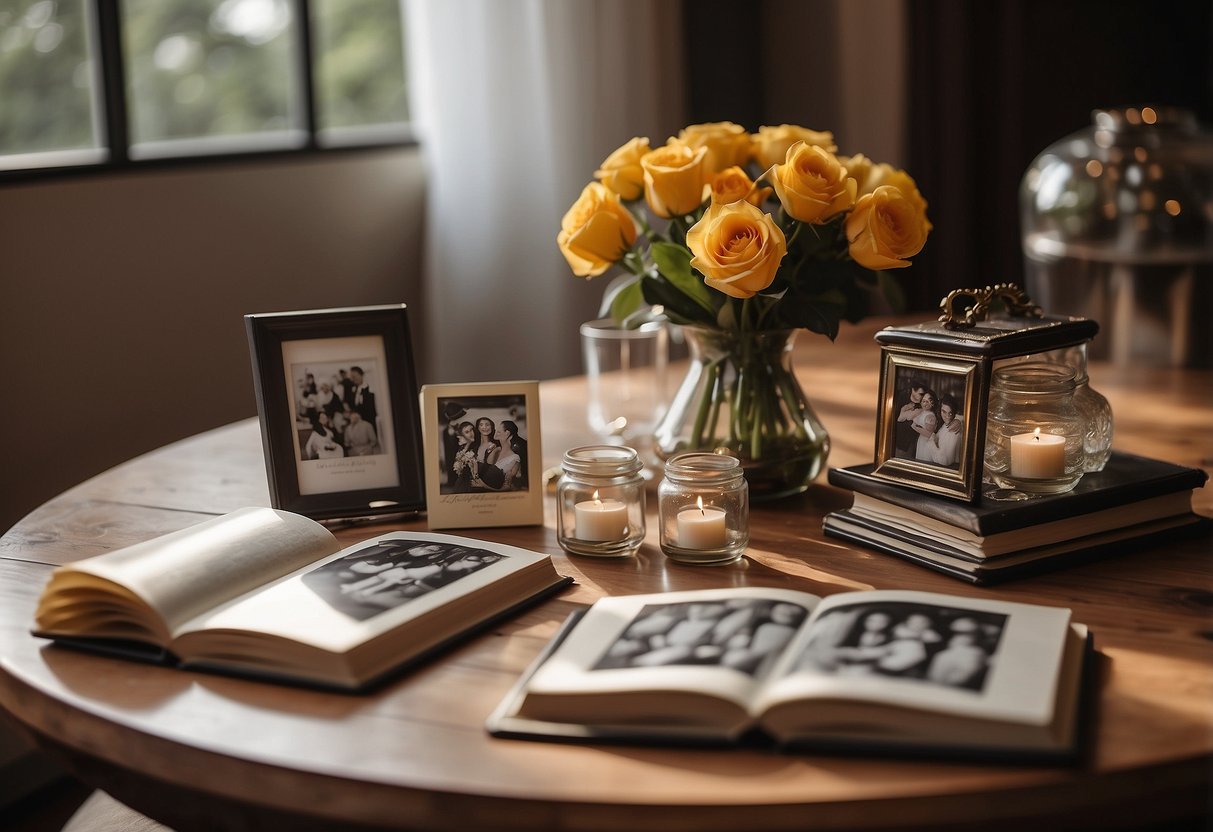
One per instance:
[(460, 493), (948, 460)]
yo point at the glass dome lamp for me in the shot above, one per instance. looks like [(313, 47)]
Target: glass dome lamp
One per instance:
[(1117, 226)]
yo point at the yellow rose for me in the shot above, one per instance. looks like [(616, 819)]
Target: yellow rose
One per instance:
[(871, 175), (673, 179), (737, 248), (811, 184), (733, 184), (886, 228), (728, 144), (596, 232), (622, 173), (862, 170), (770, 145)]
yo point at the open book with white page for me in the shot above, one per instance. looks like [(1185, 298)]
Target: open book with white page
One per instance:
[(886, 670), (267, 593)]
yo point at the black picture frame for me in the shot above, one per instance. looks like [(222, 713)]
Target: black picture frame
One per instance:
[(963, 381), (340, 471)]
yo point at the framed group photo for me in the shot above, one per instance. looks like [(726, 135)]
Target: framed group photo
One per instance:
[(337, 398), (929, 425), (483, 454)]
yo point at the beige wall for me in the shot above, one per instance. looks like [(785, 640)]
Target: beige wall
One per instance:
[(122, 296)]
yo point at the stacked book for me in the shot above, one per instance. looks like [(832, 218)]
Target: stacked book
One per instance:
[(1133, 500)]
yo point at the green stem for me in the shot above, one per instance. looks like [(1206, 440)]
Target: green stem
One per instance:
[(737, 404), (718, 395), (788, 392), (795, 234), (712, 369), (758, 420)]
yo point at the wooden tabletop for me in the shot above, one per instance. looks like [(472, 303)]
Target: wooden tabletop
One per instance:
[(203, 752)]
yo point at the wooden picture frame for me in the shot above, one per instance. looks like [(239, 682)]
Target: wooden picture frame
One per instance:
[(468, 483), (950, 461), (331, 466)]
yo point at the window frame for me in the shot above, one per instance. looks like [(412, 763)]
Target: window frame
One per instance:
[(111, 112)]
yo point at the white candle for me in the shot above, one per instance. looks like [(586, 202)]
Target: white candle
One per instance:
[(601, 519), (702, 527), (1038, 455)]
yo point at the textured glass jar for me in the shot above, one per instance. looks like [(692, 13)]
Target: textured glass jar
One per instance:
[(1095, 409), (1117, 223), (600, 501), (703, 505), (1034, 432)]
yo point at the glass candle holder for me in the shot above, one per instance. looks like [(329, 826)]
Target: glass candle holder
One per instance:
[(600, 501), (1091, 404), (703, 505), (1035, 434)]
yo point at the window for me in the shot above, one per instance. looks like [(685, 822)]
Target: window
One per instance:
[(48, 107), (94, 82)]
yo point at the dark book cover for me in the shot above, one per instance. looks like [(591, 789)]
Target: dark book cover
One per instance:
[(506, 723), (961, 565), (1126, 479)]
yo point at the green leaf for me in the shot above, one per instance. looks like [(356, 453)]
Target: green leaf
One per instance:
[(892, 291), (674, 263), (823, 319), (678, 307), (817, 311), (627, 300), (617, 285)]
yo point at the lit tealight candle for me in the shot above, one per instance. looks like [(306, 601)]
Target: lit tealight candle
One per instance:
[(701, 527), (1038, 455), (601, 519)]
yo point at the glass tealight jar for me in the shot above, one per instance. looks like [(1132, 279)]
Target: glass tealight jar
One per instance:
[(1095, 410), (600, 501), (1094, 407), (1035, 432), (703, 506)]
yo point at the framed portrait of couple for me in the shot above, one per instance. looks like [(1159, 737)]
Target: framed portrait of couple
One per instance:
[(930, 430), (483, 454), (337, 398)]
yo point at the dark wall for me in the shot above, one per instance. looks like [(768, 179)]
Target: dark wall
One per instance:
[(994, 83), (989, 85)]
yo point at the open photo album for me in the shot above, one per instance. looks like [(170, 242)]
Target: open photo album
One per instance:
[(267, 593), (884, 670)]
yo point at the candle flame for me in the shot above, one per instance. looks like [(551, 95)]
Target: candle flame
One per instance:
[(1036, 434), (595, 497), (699, 502)]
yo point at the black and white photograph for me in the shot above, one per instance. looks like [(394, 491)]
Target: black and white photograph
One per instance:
[(945, 646), (745, 634), (337, 401), (929, 424), (484, 444), (335, 411), (386, 575), (483, 454)]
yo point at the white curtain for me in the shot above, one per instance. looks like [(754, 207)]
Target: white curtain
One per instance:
[(517, 101)]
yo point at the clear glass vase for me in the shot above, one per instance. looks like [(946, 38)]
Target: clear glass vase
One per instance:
[(740, 397)]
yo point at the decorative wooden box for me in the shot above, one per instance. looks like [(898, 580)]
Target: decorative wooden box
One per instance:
[(953, 359)]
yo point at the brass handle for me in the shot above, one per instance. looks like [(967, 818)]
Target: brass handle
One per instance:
[(1016, 301)]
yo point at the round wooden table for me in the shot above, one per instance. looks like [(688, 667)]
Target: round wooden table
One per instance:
[(200, 751)]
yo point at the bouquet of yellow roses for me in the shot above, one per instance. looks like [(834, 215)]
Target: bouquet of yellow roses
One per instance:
[(742, 236), (769, 230)]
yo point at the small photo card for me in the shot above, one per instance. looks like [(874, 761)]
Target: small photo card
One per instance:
[(483, 454)]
